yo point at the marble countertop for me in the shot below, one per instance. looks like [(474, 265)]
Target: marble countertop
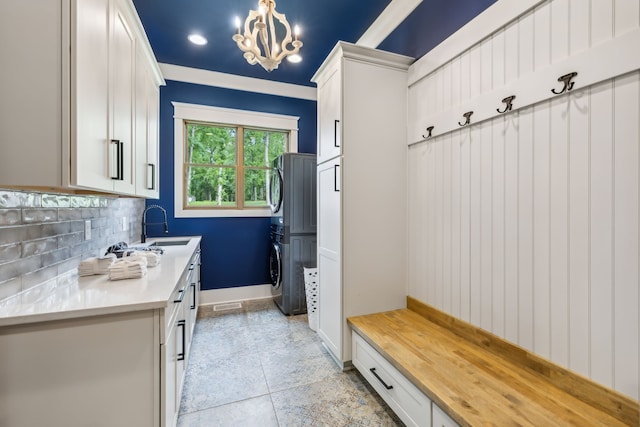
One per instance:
[(71, 296)]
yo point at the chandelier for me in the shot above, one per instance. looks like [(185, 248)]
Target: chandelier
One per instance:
[(259, 42)]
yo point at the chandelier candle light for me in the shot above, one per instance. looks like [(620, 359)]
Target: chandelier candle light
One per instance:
[(259, 42)]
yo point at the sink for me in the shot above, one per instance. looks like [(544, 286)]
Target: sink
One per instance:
[(171, 243)]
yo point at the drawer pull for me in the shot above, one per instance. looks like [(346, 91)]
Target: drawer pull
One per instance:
[(183, 324), (180, 297), (373, 371)]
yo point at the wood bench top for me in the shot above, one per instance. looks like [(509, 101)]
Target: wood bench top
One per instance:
[(477, 387)]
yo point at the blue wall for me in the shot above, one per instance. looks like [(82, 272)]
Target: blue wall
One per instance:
[(235, 251)]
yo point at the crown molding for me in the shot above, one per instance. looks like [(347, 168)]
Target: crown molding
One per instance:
[(232, 81), (387, 22)]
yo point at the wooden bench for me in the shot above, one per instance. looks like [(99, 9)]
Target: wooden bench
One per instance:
[(479, 379)]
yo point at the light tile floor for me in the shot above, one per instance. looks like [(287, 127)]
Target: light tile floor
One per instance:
[(257, 367)]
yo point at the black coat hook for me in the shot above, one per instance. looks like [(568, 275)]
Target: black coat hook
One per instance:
[(467, 115), (509, 101), (429, 129), (568, 84)]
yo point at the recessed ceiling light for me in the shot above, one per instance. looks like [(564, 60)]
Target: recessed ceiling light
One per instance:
[(197, 39), (294, 58)]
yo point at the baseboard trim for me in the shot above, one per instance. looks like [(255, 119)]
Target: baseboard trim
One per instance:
[(242, 293)]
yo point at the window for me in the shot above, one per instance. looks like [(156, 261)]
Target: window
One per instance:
[(223, 159), (227, 166)]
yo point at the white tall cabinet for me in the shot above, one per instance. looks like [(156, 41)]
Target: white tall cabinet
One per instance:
[(362, 162), (70, 94)]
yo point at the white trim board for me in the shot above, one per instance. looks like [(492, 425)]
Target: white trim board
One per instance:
[(493, 18), (241, 293), (387, 22), (605, 61), (231, 81)]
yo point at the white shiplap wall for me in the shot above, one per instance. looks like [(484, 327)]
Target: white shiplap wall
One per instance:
[(527, 225)]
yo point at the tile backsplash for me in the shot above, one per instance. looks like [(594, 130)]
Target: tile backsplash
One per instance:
[(42, 235)]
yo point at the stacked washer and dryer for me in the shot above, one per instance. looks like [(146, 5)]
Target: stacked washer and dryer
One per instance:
[(292, 198)]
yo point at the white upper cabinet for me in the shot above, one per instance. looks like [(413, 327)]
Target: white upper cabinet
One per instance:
[(122, 62), (146, 131), (330, 114), (90, 89), (70, 92)]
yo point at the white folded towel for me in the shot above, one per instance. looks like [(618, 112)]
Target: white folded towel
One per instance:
[(131, 267), (152, 258), (100, 265)]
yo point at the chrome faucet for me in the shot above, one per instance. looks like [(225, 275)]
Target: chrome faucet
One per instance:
[(143, 236)]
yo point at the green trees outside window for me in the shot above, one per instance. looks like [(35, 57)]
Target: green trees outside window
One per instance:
[(228, 166)]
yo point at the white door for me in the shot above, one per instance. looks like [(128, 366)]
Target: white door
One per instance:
[(168, 363), (122, 78), (146, 130), (90, 94), (329, 262), (330, 116)]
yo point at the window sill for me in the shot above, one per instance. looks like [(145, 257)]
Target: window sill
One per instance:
[(222, 213)]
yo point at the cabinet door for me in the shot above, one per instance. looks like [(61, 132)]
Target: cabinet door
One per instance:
[(329, 263), (330, 116), (169, 383), (90, 94), (153, 141), (146, 130), (195, 293), (122, 83)]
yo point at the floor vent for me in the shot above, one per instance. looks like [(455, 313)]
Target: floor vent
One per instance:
[(227, 306)]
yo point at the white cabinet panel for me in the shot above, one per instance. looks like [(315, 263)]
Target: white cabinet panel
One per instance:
[(329, 199), (168, 384), (330, 116), (329, 264), (121, 102), (90, 92), (146, 130)]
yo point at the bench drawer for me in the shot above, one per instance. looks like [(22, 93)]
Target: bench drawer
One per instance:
[(406, 400)]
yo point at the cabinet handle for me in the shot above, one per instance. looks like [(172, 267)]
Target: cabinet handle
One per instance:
[(119, 150), (183, 324), (335, 133), (373, 371), (193, 304), (335, 178), (181, 297), (119, 160), (151, 168)]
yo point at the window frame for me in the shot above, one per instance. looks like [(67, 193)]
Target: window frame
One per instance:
[(184, 113)]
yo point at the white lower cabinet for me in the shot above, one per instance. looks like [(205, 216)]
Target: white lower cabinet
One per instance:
[(94, 371), (412, 406), (122, 369), (409, 403), (180, 317)]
